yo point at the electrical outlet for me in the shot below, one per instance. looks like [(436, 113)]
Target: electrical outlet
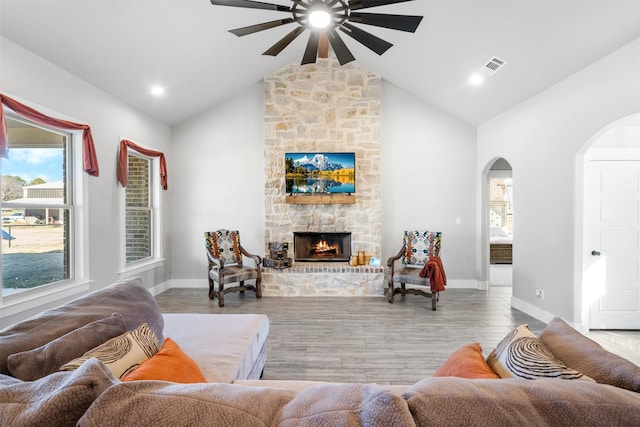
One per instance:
[(539, 293)]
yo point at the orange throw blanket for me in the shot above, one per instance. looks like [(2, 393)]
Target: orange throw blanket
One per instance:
[(434, 270)]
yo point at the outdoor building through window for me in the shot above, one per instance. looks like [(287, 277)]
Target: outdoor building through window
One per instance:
[(37, 207), (139, 210)]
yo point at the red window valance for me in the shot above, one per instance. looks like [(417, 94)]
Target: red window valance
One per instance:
[(89, 159), (123, 174)]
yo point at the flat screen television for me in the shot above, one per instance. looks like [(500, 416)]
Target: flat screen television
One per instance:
[(320, 173)]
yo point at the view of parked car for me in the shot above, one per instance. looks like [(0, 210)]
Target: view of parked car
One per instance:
[(14, 217)]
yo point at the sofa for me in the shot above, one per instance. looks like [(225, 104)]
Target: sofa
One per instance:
[(60, 368)]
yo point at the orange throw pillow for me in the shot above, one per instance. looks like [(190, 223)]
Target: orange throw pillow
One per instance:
[(466, 362), (169, 364)]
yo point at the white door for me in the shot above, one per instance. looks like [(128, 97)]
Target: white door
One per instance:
[(613, 255)]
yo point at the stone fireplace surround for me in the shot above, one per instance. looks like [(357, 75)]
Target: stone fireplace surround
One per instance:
[(323, 107)]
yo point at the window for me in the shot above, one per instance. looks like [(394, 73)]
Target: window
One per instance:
[(37, 207), (141, 210)]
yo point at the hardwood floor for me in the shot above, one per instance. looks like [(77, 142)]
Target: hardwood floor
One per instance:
[(366, 339)]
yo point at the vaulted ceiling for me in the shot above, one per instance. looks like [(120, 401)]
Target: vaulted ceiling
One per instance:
[(125, 47)]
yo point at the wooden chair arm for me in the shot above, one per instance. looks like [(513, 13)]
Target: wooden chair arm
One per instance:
[(254, 257), (390, 264), (394, 258), (215, 262)]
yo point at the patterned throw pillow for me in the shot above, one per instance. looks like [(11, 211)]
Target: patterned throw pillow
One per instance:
[(522, 354), (420, 245), (121, 354)]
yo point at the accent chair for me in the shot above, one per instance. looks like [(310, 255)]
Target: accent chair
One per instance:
[(418, 246), (225, 256)]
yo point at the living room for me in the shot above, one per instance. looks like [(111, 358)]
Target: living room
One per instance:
[(424, 141), (206, 150)]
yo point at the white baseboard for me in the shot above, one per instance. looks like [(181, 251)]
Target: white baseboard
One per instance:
[(160, 288), (466, 284), (189, 283), (532, 310)]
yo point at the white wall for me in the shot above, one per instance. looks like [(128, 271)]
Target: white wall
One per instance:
[(429, 180), (541, 138), (218, 176), (36, 82), (217, 171)]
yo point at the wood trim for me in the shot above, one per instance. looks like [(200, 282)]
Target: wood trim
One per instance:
[(321, 199)]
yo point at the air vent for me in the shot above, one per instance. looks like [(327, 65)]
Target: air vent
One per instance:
[(493, 65)]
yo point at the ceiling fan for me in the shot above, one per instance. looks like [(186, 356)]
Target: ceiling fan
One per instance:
[(323, 18)]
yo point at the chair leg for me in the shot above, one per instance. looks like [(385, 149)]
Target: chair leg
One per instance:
[(434, 298), (221, 294), (403, 291), (212, 292), (242, 290), (259, 287)]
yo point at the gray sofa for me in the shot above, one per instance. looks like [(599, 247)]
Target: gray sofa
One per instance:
[(92, 396)]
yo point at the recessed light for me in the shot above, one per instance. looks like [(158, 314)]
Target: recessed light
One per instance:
[(476, 79), (157, 90)]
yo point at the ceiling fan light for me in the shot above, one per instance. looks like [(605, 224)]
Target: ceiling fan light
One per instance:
[(319, 18)]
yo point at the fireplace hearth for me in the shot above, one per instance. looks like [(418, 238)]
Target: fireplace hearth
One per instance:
[(321, 246)]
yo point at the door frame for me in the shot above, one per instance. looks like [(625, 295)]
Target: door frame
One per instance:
[(586, 154)]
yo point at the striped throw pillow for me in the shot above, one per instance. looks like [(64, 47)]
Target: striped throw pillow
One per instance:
[(123, 353), (522, 354)]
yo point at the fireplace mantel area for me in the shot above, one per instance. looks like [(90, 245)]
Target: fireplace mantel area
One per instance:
[(324, 107)]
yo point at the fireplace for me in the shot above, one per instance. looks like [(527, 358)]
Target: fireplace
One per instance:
[(317, 247)]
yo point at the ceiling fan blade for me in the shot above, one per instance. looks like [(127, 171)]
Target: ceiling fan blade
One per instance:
[(364, 4), (323, 46), (260, 27), (374, 43), (311, 51), (339, 48), (251, 5), (407, 23), (284, 42)]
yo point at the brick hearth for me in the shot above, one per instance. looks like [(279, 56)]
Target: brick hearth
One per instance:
[(323, 279)]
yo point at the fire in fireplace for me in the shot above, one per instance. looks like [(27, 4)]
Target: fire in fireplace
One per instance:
[(326, 246)]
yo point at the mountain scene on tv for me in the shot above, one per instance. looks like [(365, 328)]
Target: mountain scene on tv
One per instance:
[(320, 173)]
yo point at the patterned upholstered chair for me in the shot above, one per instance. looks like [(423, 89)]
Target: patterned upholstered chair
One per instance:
[(418, 246), (225, 254)]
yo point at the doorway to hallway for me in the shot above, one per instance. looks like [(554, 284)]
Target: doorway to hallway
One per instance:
[(500, 217)]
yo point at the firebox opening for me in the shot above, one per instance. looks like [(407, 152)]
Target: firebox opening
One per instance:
[(329, 246)]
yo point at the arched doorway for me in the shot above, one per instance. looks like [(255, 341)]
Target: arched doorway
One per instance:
[(500, 217)]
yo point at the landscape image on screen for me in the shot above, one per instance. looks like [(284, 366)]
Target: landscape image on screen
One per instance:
[(320, 173)]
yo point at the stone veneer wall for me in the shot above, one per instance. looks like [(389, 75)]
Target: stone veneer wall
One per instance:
[(323, 107)]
